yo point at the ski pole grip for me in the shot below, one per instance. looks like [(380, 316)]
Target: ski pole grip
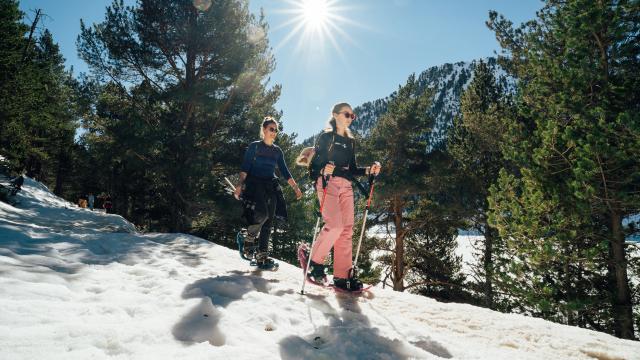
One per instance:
[(378, 164), (372, 179), (325, 178), (372, 176)]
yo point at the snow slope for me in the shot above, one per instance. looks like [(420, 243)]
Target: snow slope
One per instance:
[(76, 284)]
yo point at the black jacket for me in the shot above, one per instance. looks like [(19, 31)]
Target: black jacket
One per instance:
[(339, 149), (270, 186)]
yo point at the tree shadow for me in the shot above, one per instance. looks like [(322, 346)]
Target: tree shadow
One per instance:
[(40, 211), (47, 234), (425, 343), (350, 335), (201, 323), (38, 251), (222, 290)]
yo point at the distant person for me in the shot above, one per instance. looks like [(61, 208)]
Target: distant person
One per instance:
[(107, 205), (91, 199), (17, 184)]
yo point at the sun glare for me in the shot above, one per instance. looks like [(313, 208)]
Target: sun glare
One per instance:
[(313, 22), (315, 12)]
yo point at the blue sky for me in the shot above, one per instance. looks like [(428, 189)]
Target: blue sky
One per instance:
[(376, 45)]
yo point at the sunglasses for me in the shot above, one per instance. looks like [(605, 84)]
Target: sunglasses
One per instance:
[(272, 129), (352, 116)]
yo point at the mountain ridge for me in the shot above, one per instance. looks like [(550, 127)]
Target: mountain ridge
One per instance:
[(448, 81)]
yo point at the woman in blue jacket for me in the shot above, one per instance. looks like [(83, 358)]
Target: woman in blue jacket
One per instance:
[(260, 191)]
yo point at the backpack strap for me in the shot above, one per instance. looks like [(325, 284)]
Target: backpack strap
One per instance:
[(333, 140), (255, 154)]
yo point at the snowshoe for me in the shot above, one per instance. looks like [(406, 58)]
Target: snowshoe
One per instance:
[(303, 256), (247, 245), (318, 276), (317, 272), (263, 262), (350, 285)]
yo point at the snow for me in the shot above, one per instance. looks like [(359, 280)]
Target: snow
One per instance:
[(77, 284), (466, 249), (635, 221)]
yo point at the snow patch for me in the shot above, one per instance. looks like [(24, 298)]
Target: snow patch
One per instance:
[(76, 284)]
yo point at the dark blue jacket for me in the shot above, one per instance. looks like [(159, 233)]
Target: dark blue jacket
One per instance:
[(260, 161)]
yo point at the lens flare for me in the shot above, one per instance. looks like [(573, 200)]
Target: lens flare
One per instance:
[(313, 23), (202, 5)]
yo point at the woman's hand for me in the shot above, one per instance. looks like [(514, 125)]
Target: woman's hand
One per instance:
[(237, 192), (375, 169), (295, 188), (328, 169)]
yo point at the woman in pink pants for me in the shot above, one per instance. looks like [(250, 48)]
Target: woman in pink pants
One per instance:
[(335, 160)]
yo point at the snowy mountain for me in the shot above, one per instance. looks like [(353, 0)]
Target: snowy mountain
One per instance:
[(76, 284), (448, 81)]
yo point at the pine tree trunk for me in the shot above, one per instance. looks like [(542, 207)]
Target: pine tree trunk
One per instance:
[(398, 268), (59, 179), (34, 169), (60, 171), (27, 46), (185, 139), (176, 210), (568, 285), (130, 208), (488, 266), (622, 306)]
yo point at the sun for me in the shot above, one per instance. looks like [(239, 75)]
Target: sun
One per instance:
[(315, 12), (314, 23)]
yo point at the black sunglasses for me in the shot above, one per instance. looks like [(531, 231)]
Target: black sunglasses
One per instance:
[(348, 114), (272, 129)]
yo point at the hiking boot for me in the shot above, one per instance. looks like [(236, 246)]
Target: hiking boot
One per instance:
[(351, 284), (249, 245), (263, 260), (316, 272), (262, 256)]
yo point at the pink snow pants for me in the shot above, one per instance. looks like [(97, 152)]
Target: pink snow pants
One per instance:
[(337, 231)]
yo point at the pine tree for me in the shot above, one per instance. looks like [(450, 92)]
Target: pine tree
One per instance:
[(124, 139), (51, 116), (575, 142), (399, 142), (474, 142), (436, 217), (204, 70), (37, 98), (13, 135)]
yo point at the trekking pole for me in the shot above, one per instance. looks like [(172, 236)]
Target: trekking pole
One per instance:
[(233, 188), (230, 184), (372, 179), (325, 180)]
